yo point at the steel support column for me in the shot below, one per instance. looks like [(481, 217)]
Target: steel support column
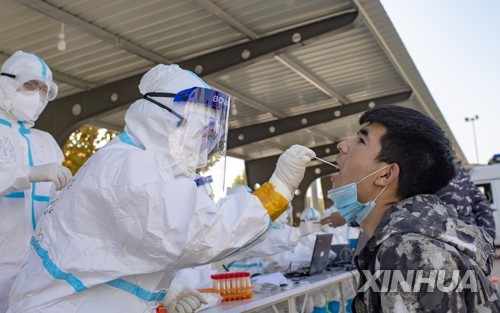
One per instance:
[(326, 184)]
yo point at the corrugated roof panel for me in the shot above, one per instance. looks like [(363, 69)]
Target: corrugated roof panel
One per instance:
[(326, 104), (65, 89), (353, 65), (243, 106), (264, 16), (32, 30), (172, 29), (273, 84), (254, 152), (82, 6), (86, 58), (352, 62), (241, 120), (424, 100)]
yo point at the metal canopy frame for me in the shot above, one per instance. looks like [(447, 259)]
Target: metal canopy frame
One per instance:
[(61, 118), (249, 134), (282, 43), (91, 29)]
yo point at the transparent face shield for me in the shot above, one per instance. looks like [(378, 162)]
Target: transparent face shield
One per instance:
[(209, 109), (198, 141)]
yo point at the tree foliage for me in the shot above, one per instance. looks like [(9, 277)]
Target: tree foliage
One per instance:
[(83, 143), (86, 140), (212, 161), (241, 179)]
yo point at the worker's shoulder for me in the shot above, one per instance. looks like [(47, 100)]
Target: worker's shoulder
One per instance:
[(47, 137), (6, 128), (125, 157)]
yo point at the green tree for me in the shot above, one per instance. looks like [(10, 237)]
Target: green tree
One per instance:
[(241, 179), (212, 161), (84, 142)]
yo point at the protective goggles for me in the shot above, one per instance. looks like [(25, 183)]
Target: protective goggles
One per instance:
[(31, 84)]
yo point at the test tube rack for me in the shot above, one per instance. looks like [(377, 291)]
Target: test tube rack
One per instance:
[(231, 285)]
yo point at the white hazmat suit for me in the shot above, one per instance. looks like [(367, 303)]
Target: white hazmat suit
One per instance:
[(133, 215), (281, 238), (301, 252), (30, 170)]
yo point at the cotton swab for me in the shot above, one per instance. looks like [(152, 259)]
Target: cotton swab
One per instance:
[(336, 166)]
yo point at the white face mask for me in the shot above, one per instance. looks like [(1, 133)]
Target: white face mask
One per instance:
[(26, 107), (187, 159)]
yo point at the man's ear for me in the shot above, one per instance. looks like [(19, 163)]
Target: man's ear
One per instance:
[(388, 175)]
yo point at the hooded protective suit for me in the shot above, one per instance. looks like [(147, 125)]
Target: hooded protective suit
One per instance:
[(276, 251), (281, 238), (22, 149), (301, 247), (131, 218)]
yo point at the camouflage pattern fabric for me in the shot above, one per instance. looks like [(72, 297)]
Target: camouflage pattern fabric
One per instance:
[(422, 233), (471, 204)]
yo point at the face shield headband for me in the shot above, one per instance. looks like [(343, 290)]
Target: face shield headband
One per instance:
[(148, 96)]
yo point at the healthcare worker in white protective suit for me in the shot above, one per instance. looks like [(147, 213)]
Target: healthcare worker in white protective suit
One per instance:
[(30, 160), (133, 215), (198, 277), (282, 237), (300, 255)]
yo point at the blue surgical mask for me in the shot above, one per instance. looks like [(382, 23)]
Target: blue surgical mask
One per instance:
[(346, 201)]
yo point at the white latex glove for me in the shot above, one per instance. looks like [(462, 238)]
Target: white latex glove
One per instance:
[(290, 170), (182, 299), (51, 172), (308, 227)]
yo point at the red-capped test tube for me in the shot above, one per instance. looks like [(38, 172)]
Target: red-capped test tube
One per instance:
[(215, 282)]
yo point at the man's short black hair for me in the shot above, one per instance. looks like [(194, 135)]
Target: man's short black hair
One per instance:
[(417, 144)]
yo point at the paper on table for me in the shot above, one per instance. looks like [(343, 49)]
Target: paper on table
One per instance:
[(277, 279)]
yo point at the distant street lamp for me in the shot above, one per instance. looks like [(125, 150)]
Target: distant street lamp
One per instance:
[(473, 119)]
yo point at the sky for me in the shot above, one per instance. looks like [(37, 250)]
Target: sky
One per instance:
[(455, 45)]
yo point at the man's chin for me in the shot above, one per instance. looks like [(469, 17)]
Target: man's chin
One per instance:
[(336, 181)]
